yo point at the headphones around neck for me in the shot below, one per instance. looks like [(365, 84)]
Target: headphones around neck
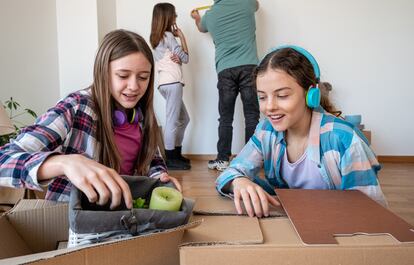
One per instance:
[(120, 117), (313, 96)]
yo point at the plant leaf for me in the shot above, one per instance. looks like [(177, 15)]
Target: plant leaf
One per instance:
[(139, 203), (31, 112)]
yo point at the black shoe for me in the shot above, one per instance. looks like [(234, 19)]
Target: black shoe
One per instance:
[(179, 156), (175, 164)]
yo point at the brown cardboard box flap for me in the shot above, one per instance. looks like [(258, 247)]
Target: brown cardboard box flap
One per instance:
[(22, 227), (319, 215), (143, 250), (10, 195), (219, 205), (11, 244), (230, 230), (282, 245), (40, 223)]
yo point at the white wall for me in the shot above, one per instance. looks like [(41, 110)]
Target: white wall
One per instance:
[(106, 17), (364, 49), (28, 54), (77, 25)]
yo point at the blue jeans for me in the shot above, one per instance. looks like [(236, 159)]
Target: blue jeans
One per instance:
[(231, 82)]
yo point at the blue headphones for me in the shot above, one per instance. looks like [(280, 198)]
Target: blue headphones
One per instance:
[(119, 117), (313, 96)]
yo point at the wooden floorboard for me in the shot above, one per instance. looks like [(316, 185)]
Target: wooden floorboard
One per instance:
[(397, 181)]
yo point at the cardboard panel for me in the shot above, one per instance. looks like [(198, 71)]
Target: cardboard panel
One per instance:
[(40, 223), (218, 205), (318, 215), (10, 196), (225, 230), (11, 244), (316, 255), (157, 248)]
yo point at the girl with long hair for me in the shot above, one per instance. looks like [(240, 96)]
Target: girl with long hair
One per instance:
[(300, 143), (169, 56), (93, 135)]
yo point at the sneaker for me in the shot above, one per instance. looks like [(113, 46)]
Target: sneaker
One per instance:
[(218, 164)]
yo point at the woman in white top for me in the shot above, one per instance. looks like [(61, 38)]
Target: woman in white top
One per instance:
[(169, 56)]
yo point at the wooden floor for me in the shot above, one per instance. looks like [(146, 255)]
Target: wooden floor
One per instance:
[(397, 181)]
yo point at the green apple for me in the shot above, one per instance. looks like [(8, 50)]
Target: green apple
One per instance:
[(166, 198)]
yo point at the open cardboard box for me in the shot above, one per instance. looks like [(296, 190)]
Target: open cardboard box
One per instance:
[(32, 230), (229, 239)]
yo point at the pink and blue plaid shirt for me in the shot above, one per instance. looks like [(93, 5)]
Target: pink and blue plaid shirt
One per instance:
[(67, 128)]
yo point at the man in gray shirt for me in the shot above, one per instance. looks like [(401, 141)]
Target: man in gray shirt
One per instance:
[(232, 26)]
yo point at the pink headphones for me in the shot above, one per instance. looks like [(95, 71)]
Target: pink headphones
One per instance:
[(119, 117)]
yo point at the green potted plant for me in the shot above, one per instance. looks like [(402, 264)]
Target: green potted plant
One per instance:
[(14, 111)]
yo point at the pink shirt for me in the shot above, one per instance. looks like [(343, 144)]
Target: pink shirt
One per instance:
[(128, 138)]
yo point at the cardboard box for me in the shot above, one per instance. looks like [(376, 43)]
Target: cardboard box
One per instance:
[(367, 134), (243, 240), (33, 229)]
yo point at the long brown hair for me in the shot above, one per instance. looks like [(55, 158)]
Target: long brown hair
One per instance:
[(117, 44), (162, 20), (298, 66)]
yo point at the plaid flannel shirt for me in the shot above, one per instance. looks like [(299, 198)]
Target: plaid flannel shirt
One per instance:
[(67, 128)]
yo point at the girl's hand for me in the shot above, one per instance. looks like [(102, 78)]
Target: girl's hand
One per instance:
[(176, 31), (99, 183), (256, 200), (176, 59), (164, 177)]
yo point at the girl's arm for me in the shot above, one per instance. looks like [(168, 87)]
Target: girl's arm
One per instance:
[(38, 154), (177, 32), (176, 48), (99, 183), (21, 159), (157, 165), (359, 167), (158, 169), (238, 179)]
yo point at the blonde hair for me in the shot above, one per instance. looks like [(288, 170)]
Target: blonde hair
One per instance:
[(117, 44)]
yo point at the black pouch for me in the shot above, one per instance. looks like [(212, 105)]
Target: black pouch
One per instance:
[(86, 217)]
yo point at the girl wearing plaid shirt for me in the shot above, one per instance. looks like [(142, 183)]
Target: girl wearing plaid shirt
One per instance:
[(300, 144), (92, 136)]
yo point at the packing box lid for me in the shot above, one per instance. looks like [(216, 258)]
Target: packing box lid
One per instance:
[(39, 225), (340, 212), (237, 240)]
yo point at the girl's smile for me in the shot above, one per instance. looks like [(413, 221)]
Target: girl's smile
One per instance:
[(282, 100), (130, 77)]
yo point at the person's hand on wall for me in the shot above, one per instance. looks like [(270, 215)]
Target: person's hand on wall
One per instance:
[(256, 201), (195, 15)]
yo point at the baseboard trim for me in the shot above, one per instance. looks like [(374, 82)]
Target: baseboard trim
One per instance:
[(200, 157), (396, 159), (381, 159)]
